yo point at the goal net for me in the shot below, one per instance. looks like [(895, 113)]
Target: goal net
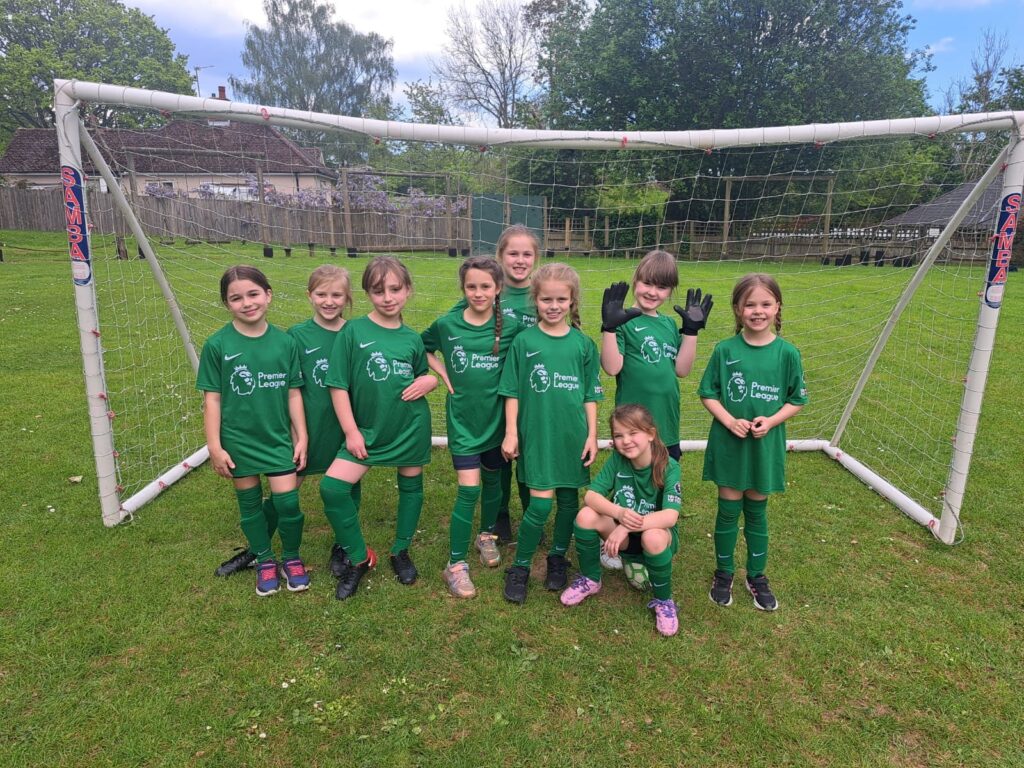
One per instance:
[(891, 241)]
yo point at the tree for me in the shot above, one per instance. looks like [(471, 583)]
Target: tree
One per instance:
[(305, 60), (487, 65), (99, 40), (682, 64)]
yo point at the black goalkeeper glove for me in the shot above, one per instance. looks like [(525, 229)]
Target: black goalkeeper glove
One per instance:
[(612, 313), (695, 315)]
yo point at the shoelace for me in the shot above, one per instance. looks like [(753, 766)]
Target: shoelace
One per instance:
[(267, 571), (582, 584), (663, 608), (295, 569)]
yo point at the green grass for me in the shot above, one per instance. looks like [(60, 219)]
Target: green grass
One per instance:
[(118, 647)]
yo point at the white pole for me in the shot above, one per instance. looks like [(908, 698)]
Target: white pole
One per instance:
[(79, 249), (984, 340)]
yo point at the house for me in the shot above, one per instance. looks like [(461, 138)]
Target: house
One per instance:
[(213, 158)]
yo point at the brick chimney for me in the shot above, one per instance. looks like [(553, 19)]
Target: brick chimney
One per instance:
[(222, 93)]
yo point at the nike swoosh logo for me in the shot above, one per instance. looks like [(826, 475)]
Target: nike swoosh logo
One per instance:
[(627, 477), (756, 554), (364, 345), (732, 362), (641, 328), (232, 357), (453, 338), (531, 354), (311, 351)]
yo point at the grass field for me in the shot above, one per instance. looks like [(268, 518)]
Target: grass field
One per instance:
[(118, 647)]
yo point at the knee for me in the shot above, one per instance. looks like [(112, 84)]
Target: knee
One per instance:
[(587, 518), (655, 541)]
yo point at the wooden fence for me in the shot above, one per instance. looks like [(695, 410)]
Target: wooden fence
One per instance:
[(226, 220)]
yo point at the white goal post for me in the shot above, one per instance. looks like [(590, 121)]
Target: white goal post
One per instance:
[(801, 200)]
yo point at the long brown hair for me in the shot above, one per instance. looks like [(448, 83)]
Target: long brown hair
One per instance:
[(492, 268), (557, 272), (635, 416), (657, 268), (377, 271), (748, 283)]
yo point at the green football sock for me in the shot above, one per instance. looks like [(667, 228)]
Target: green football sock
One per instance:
[(342, 515), (357, 494), (524, 496), (410, 504), (530, 529), (505, 484), (254, 524), (270, 512), (755, 531), (659, 569), (490, 499), (726, 532), (290, 521), (588, 550), (461, 528), (567, 502)]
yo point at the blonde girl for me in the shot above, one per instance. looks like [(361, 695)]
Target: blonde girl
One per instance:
[(551, 387)]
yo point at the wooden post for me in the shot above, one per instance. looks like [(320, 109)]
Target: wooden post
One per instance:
[(547, 226), (449, 226), (586, 233), (262, 210), (725, 218), (568, 233), (827, 224), (607, 236), (694, 251), (346, 213)]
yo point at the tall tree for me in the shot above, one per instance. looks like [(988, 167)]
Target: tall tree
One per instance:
[(304, 59), (487, 67), (99, 40)]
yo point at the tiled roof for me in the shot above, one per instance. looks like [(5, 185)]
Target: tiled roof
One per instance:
[(939, 211), (179, 147)]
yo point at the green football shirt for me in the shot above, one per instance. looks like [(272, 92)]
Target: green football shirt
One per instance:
[(515, 304), (751, 381), (374, 365), (552, 377), (315, 343), (475, 413), (649, 346), (253, 376)]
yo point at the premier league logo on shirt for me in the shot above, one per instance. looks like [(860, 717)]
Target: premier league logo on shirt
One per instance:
[(320, 372), (242, 381), (737, 387), (460, 360), (540, 379), (377, 366), (626, 497), (650, 350)]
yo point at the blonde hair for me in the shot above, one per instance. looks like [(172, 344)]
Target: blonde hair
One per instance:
[(748, 283), (492, 268), (657, 268), (516, 230), (632, 415), (328, 273), (557, 272)]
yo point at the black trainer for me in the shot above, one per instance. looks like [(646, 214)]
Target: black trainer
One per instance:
[(240, 561), (758, 587), (403, 567), (339, 561), (503, 528), (349, 581), (558, 576), (516, 579), (721, 589)]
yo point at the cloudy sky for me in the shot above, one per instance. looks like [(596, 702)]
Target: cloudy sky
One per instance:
[(211, 33)]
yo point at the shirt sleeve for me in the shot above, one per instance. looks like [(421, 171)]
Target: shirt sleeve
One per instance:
[(208, 378), (295, 377), (340, 359), (509, 384), (796, 389), (431, 337), (605, 480), (710, 382), (592, 373), (672, 494), (419, 358)]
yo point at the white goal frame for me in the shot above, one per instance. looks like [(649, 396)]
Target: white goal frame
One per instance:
[(72, 137)]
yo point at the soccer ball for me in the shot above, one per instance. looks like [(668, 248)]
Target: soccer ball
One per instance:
[(636, 574)]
